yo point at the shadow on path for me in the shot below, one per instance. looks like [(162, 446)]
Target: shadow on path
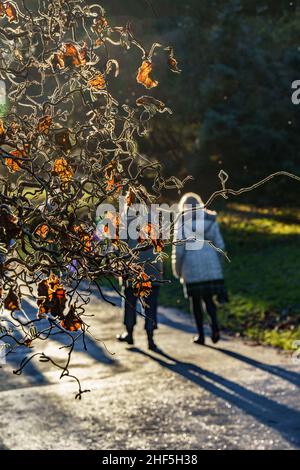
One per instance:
[(31, 371), (93, 349), (281, 418), (289, 376)]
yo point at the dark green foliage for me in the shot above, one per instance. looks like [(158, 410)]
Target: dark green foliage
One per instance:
[(232, 103)]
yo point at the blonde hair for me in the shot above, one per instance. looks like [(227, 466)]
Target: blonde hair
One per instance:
[(191, 199)]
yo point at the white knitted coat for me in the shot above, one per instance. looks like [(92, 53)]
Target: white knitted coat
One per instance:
[(203, 264)]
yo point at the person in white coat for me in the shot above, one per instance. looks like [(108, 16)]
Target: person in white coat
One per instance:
[(196, 261)]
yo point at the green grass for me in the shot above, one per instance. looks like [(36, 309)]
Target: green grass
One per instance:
[(263, 277)]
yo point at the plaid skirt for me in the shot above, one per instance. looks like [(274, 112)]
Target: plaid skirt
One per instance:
[(208, 288)]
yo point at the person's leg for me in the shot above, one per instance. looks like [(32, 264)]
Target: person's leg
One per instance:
[(212, 312), (129, 315), (197, 310), (151, 316)]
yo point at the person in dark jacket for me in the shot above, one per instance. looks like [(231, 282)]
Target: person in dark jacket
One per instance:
[(196, 261), (154, 270)]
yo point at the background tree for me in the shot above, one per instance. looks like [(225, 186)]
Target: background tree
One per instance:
[(232, 103)]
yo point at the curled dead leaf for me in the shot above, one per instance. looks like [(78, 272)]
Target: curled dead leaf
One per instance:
[(113, 177), (63, 170), (130, 197), (152, 105), (142, 286), (112, 228), (44, 124), (100, 24), (62, 139), (72, 321), (58, 60), (144, 75), (84, 237), (28, 343), (14, 164), (76, 53), (69, 54), (51, 297), (42, 231), (2, 131), (173, 64), (149, 232), (9, 225), (97, 83), (12, 301), (11, 12)]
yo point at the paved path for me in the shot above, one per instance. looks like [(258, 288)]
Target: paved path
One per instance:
[(234, 396)]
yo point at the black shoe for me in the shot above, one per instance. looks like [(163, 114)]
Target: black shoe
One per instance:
[(215, 337), (125, 338), (199, 340), (152, 346)]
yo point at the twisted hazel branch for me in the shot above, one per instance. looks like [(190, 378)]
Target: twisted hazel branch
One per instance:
[(66, 146), (225, 192)]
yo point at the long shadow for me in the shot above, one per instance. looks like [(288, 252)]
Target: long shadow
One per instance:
[(290, 376), (108, 293), (92, 348), (31, 370), (35, 375), (281, 418), (14, 359)]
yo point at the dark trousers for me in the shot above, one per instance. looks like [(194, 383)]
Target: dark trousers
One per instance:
[(197, 306), (150, 311)]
